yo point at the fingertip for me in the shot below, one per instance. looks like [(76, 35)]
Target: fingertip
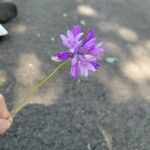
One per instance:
[(1, 97), (4, 125), (4, 113)]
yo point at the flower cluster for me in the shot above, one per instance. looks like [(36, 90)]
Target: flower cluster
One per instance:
[(83, 53)]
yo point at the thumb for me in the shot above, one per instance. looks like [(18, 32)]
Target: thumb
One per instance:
[(4, 113), (4, 125)]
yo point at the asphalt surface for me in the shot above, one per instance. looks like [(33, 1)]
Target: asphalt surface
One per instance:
[(108, 111)]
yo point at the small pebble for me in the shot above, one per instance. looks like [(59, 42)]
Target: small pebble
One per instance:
[(83, 22), (38, 35), (103, 144), (89, 146), (30, 65), (52, 39), (64, 15), (78, 81)]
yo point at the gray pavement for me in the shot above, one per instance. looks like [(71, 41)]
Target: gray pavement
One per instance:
[(108, 111)]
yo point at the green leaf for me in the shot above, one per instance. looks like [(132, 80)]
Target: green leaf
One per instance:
[(111, 60)]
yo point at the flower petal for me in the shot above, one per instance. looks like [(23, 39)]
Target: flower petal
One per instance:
[(101, 47), (70, 35), (74, 67), (89, 36), (95, 49), (63, 55), (78, 36), (74, 60), (72, 50), (74, 70), (91, 67), (89, 44), (95, 64), (84, 70), (65, 40), (84, 53), (76, 30)]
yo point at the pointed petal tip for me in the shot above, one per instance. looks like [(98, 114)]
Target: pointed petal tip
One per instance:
[(76, 29)]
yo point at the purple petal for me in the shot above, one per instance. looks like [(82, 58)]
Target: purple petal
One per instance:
[(74, 59), (72, 50), (78, 36), (89, 36), (74, 66), (65, 40), (94, 51), (91, 67), (86, 64), (83, 70), (89, 44), (101, 47), (70, 35), (76, 30), (74, 70), (84, 53), (72, 40), (100, 44), (63, 55), (95, 64)]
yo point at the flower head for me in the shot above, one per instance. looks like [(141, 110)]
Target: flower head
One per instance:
[(83, 53)]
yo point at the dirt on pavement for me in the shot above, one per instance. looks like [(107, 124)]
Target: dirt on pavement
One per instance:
[(108, 111)]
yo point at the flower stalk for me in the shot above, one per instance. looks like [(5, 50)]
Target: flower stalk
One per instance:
[(25, 99)]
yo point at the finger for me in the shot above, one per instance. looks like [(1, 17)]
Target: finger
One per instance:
[(4, 125), (4, 113)]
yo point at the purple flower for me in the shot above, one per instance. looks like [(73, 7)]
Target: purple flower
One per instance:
[(84, 53)]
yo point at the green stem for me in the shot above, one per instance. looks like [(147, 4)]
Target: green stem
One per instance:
[(24, 100)]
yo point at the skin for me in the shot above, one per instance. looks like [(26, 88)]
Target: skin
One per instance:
[(5, 121)]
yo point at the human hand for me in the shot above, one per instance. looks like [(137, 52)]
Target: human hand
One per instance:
[(5, 121)]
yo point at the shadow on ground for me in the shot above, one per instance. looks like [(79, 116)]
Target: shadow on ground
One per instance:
[(109, 110)]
